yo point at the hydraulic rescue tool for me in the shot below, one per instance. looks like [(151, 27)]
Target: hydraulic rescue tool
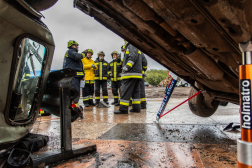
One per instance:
[(168, 90), (244, 144)]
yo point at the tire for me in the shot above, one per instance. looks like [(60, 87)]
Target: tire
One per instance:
[(186, 84), (223, 103), (197, 106)]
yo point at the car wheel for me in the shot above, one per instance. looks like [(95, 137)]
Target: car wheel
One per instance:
[(197, 106), (223, 103)]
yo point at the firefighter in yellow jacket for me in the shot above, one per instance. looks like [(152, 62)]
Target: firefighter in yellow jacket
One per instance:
[(89, 68)]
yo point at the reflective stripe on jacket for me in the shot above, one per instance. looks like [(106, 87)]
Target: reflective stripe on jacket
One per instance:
[(133, 60), (102, 72), (89, 81), (145, 63), (72, 60), (115, 68), (26, 73)]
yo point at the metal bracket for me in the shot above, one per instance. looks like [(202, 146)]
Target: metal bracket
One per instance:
[(67, 150), (207, 98)]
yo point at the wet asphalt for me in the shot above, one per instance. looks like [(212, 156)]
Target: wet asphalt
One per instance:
[(181, 139)]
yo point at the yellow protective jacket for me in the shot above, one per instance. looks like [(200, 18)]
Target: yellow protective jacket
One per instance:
[(88, 70)]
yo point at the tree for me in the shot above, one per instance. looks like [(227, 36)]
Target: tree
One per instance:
[(154, 76)]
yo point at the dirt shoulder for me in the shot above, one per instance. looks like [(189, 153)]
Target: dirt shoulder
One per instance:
[(158, 92)]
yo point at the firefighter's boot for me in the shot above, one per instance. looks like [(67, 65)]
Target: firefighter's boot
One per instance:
[(91, 102), (134, 111), (120, 112), (143, 105)]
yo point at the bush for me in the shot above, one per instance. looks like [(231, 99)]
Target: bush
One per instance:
[(154, 76)]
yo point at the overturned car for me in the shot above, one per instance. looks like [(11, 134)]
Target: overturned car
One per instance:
[(197, 40)]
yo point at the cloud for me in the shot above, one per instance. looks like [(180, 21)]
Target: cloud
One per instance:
[(68, 23)]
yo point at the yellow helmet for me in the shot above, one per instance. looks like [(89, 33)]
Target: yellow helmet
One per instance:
[(114, 52), (125, 42), (123, 47), (91, 51), (72, 42), (100, 52)]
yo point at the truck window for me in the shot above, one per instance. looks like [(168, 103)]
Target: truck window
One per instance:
[(28, 72)]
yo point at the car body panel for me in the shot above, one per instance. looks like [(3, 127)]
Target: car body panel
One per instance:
[(13, 25)]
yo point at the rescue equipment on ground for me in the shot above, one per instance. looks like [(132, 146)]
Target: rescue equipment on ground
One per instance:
[(44, 113), (168, 90), (79, 109), (102, 104), (232, 127)]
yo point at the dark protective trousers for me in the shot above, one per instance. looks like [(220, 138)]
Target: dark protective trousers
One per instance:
[(75, 84), (98, 85), (142, 93), (130, 87), (87, 93), (115, 87)]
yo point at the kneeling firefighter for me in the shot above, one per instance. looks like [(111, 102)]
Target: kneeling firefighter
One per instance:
[(72, 60), (114, 71), (89, 68), (131, 76), (101, 77)]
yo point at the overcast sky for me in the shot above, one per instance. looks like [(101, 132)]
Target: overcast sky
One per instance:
[(68, 23)]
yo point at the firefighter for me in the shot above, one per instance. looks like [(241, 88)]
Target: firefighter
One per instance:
[(142, 87), (123, 48), (86, 51), (89, 68), (26, 74), (120, 90), (72, 60), (114, 71), (131, 76), (101, 77)]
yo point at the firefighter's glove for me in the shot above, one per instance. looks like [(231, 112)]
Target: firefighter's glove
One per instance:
[(93, 66), (144, 75), (120, 74), (83, 54), (124, 69), (110, 74)]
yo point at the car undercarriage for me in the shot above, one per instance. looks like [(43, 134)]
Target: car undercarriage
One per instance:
[(197, 40)]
